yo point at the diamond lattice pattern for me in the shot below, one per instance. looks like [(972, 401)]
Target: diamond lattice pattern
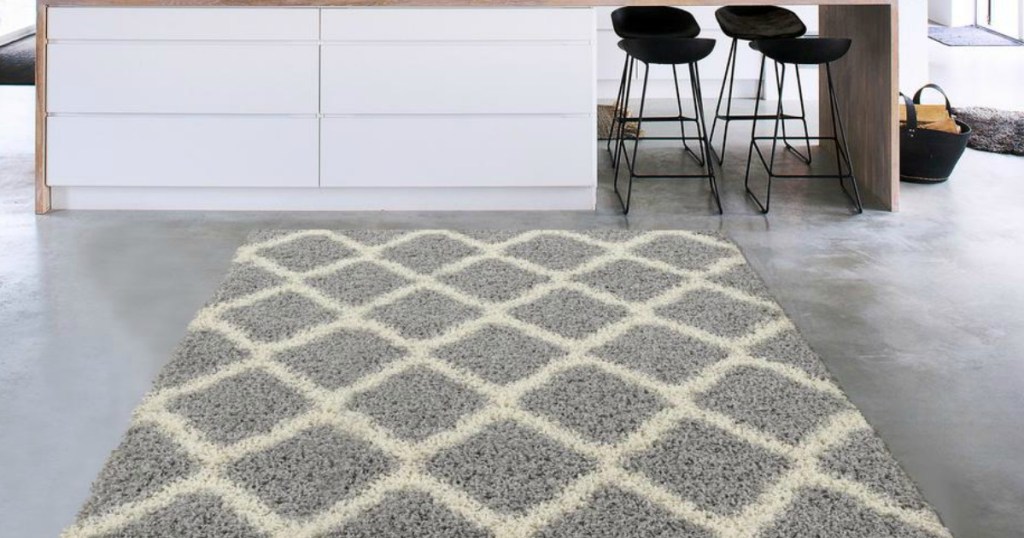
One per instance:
[(473, 384)]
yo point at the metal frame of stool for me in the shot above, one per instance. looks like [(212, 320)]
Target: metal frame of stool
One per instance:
[(838, 137), (699, 119), (621, 108), (729, 78)]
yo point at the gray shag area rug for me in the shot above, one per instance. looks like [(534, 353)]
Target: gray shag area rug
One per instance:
[(543, 383), (970, 36), (993, 130)]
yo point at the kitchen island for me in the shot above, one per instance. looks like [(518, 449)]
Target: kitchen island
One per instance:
[(366, 104)]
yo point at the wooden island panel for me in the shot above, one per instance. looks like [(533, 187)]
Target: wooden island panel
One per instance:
[(456, 3)]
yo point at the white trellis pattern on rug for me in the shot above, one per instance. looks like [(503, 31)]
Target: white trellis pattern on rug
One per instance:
[(502, 402)]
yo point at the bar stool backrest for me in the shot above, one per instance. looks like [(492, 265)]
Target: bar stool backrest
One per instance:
[(654, 21), (751, 23)]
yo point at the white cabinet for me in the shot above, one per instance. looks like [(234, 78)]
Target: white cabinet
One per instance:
[(182, 151), (183, 78), (179, 24), (447, 24), (463, 78), (487, 99), (330, 108), (453, 151), (148, 98)]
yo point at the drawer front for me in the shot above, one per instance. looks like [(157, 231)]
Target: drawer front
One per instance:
[(192, 23), (182, 151), (408, 24), (182, 78), (451, 151), (467, 78)]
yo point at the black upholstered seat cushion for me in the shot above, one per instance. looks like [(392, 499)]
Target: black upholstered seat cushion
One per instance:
[(654, 21), (18, 62), (806, 51), (668, 51), (759, 22)]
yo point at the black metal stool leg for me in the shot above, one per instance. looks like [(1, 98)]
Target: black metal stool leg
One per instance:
[(682, 121), (618, 104), (620, 119), (779, 122), (778, 87), (835, 137), (841, 144), (730, 77), (753, 144), (620, 137), (803, 117), (632, 163), (702, 133)]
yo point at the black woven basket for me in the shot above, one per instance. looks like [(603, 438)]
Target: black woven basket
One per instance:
[(926, 155)]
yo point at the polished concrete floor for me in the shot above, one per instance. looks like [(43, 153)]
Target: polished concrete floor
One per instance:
[(918, 314)]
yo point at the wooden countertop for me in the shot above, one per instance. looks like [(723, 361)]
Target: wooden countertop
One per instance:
[(449, 3)]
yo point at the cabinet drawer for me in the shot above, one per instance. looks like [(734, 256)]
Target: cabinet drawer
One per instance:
[(182, 78), (148, 23), (433, 24), (463, 78), (182, 151), (452, 151)]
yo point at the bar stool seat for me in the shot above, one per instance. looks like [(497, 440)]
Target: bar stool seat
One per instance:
[(750, 23), (653, 21), (667, 51), (817, 51)]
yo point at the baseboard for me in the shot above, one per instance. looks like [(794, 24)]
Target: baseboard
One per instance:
[(326, 199)]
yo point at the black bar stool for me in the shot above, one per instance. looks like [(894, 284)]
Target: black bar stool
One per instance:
[(637, 22), (808, 51), (665, 51), (752, 23)]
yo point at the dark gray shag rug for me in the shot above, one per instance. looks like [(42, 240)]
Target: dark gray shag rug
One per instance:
[(993, 130), (970, 36), (544, 383)]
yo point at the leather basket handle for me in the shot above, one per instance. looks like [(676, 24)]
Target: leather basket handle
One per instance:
[(911, 113), (917, 96)]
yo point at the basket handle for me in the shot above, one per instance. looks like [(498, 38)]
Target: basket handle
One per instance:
[(911, 113), (917, 96)]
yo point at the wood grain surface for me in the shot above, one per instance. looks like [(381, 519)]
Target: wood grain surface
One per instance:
[(456, 3)]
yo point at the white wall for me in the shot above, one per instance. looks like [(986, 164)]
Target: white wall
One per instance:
[(913, 45), (951, 12)]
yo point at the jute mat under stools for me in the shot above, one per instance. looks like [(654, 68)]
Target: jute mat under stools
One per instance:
[(605, 120)]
